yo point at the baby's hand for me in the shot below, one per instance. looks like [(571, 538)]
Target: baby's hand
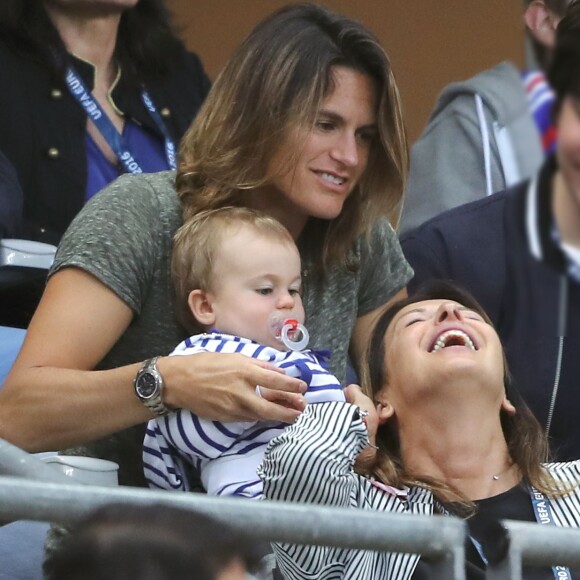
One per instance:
[(355, 396), (366, 459)]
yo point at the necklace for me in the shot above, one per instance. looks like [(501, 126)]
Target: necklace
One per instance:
[(499, 475)]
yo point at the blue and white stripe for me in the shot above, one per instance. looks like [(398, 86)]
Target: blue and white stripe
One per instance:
[(227, 455)]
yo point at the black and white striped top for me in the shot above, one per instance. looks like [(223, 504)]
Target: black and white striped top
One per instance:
[(311, 462)]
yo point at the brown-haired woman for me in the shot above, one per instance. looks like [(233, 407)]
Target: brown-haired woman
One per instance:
[(305, 124)]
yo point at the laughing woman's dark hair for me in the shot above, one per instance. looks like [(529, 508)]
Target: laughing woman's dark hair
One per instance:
[(526, 440), (146, 45)]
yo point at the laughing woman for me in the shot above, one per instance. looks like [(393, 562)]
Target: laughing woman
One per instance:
[(452, 437)]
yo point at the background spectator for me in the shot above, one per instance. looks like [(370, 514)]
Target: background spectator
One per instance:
[(486, 133), (86, 86), (153, 542), (115, 48)]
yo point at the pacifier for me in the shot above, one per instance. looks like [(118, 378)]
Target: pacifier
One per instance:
[(291, 333)]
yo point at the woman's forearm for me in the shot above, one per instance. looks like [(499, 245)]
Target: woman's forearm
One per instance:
[(53, 398), (45, 408)]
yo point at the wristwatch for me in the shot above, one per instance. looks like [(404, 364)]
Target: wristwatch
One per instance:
[(149, 386)]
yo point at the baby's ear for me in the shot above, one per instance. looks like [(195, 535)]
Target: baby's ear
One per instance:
[(201, 307)]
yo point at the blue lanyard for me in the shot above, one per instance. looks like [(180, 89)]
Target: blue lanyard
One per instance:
[(543, 513), (114, 139), (477, 545), (169, 145)]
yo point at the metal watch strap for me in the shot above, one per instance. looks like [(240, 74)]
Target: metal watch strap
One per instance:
[(155, 403)]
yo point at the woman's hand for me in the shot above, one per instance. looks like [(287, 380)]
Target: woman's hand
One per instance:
[(53, 399), (222, 387), (366, 459)]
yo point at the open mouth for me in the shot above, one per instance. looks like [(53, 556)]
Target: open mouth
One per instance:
[(332, 179), (453, 337)]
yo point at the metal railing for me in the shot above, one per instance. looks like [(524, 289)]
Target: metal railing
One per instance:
[(31, 490), (438, 539), (535, 545)]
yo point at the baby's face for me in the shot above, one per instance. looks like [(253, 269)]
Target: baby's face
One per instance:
[(256, 282)]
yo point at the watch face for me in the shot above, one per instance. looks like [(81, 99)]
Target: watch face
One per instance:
[(146, 385)]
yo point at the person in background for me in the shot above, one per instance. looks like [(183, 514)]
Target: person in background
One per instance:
[(487, 133), (11, 199), (86, 85), (304, 124), (518, 252), (439, 431), (245, 302), (153, 542), (92, 89)]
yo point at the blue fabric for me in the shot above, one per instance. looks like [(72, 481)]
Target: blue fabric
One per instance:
[(22, 550), (146, 147), (542, 101), (10, 342)]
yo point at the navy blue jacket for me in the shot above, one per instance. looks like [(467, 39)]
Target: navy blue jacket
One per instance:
[(502, 250), (44, 130)]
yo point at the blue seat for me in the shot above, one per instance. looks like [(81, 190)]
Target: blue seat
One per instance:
[(10, 342), (22, 550)]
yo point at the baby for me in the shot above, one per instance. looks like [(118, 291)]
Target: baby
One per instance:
[(237, 275)]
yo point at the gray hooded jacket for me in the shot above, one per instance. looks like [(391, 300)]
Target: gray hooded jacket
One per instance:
[(481, 138)]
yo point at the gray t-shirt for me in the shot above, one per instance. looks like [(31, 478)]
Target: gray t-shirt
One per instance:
[(123, 237)]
